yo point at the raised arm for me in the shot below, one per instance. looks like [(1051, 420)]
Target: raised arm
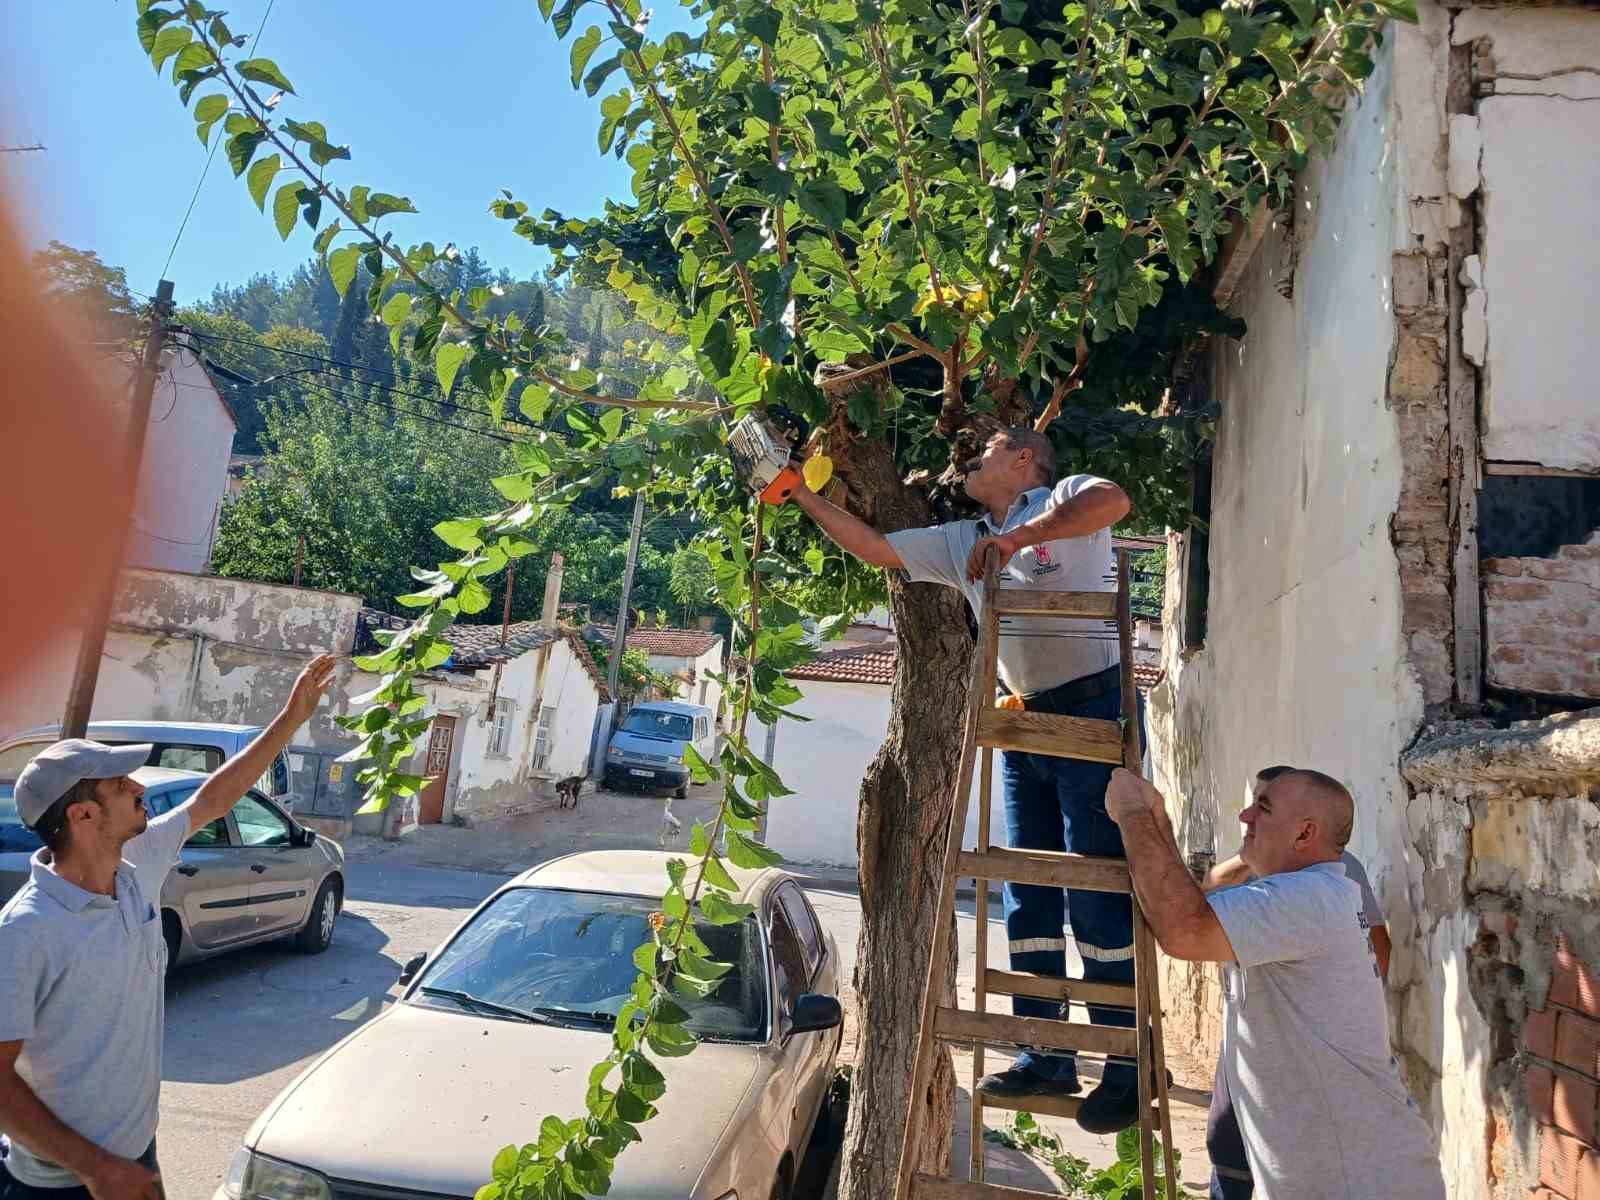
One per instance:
[(1173, 903), (29, 1119), (853, 535), (1099, 506), (230, 781), (1230, 872)]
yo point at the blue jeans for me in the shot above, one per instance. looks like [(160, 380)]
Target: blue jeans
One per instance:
[(1060, 804), (1230, 1168)]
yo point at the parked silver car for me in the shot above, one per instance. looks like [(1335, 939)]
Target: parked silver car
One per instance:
[(248, 877), (501, 1025), (184, 745)]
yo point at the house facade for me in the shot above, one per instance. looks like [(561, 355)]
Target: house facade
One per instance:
[(1397, 578), (691, 656)]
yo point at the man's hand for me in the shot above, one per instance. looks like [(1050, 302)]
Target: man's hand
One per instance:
[(309, 688), (1005, 545), (1130, 796), (123, 1179)]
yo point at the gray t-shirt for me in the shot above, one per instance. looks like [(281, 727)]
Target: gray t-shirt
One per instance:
[(1357, 874), (81, 989), (1305, 1046), (1036, 653)]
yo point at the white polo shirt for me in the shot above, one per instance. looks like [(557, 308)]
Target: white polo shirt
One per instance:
[(81, 987)]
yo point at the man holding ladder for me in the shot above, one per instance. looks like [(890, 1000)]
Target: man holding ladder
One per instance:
[(1052, 536)]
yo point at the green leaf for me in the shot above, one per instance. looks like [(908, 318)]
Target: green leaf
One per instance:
[(611, 422), (583, 50), (460, 534), (264, 70), (1400, 10), (343, 264), (260, 179), (208, 110), (241, 149), (717, 874), (397, 309), (721, 911), (325, 239), (167, 43), (824, 200), (473, 597), (285, 208), (447, 360), (381, 204), (742, 852)]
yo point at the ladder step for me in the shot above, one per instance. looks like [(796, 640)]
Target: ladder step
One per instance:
[(1047, 868), (931, 1187), (1028, 602), (957, 1024), (1053, 1106), (1048, 733), (1050, 987)]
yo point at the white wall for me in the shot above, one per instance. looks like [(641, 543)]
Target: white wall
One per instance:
[(184, 472), (703, 667), (1540, 177), (824, 760)]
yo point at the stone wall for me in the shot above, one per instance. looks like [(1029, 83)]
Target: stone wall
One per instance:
[(1496, 996)]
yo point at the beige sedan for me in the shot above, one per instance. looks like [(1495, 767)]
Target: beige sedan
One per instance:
[(498, 1029)]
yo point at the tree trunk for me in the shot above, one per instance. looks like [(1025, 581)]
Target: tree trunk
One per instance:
[(900, 834)]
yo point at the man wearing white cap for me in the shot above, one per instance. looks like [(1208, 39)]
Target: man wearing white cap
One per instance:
[(82, 957)]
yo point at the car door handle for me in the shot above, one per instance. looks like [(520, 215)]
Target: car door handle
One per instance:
[(258, 868), (187, 870)]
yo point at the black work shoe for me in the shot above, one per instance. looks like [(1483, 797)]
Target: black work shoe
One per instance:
[(1111, 1107), (1018, 1081)]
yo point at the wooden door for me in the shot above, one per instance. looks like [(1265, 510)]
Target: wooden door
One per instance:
[(440, 739)]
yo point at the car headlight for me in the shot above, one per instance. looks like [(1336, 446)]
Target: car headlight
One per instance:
[(613, 752), (252, 1176)]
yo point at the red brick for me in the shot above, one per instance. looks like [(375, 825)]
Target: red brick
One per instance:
[(1545, 1194), (1558, 1162), (1518, 589), (1586, 643), (1539, 1033), (1578, 1043), (1589, 550), (1589, 1176), (1564, 973), (1506, 567), (1539, 1083), (1573, 1104), (1511, 656), (1551, 568)]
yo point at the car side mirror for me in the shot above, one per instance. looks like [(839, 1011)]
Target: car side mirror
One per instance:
[(813, 1012), (307, 836), (413, 965)]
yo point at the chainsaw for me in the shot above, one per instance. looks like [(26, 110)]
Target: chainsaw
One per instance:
[(761, 446)]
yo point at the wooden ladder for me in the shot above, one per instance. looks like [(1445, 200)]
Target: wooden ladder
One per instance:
[(989, 729)]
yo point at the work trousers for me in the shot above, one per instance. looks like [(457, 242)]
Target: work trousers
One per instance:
[(13, 1189), (1230, 1168), (1060, 804)]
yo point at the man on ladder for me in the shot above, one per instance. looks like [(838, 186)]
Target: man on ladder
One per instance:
[(1056, 537)]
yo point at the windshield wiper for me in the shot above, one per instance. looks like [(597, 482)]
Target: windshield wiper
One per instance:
[(478, 1004), (607, 1019)]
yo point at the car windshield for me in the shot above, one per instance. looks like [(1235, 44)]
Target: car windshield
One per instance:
[(568, 956), (659, 724)]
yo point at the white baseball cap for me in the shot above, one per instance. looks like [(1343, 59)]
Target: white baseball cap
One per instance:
[(54, 771)]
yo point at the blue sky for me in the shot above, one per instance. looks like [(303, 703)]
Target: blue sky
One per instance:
[(445, 103)]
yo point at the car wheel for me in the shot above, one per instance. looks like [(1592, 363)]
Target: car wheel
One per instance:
[(682, 793), (172, 934), (318, 929)]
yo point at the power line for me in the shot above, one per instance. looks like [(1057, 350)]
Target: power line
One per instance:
[(23, 149), (200, 183)]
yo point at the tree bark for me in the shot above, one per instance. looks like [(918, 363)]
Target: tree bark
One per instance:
[(900, 834)]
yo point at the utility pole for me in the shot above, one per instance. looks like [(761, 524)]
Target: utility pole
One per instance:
[(620, 640), (97, 614)]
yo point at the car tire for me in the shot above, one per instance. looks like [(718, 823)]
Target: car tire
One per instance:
[(315, 936), (172, 934), (682, 793)]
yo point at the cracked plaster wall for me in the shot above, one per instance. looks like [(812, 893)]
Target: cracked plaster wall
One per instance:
[(1531, 323)]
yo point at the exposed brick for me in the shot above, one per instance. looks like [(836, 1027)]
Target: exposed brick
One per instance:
[(1515, 589), (1588, 552), (1589, 1176), (1564, 973), (1586, 643), (1573, 1104), (1508, 567), (1539, 1032), (1545, 1193), (1558, 1162), (1540, 1085), (1578, 1043), (1510, 656), (1551, 569)]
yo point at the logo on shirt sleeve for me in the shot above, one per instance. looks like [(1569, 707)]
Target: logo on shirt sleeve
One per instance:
[(1043, 564)]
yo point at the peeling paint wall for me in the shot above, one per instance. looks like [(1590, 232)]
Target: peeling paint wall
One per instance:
[(1537, 123)]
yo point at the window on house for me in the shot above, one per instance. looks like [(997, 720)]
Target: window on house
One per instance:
[(541, 739), (500, 729)]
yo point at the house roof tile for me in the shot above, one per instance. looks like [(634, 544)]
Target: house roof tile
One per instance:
[(668, 643), (857, 665)]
